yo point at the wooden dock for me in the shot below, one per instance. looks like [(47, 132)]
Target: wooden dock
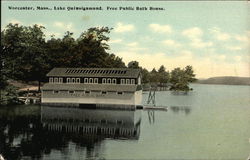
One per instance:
[(159, 108), (30, 100)]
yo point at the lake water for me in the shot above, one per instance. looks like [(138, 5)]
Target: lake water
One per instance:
[(211, 122)]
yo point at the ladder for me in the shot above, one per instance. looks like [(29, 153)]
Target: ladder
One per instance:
[(151, 96)]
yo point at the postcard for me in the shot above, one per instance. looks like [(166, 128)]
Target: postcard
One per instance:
[(183, 66)]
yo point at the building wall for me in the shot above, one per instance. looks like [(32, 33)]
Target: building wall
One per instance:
[(127, 98), (138, 97)]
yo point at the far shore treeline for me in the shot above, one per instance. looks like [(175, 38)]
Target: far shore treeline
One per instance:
[(27, 55)]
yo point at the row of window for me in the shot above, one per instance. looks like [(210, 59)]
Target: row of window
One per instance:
[(127, 81), (92, 80), (88, 92), (55, 80)]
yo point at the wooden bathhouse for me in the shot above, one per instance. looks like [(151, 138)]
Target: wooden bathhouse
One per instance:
[(93, 88)]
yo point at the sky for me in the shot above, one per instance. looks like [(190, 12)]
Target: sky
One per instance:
[(212, 36)]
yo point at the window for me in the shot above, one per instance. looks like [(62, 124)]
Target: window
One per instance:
[(73, 80), (122, 81), (91, 80), (103, 121), (60, 80), (132, 81), (96, 80), (127, 81), (120, 93), (86, 80), (118, 122), (87, 92), (77, 80), (104, 80), (109, 81), (104, 92), (68, 80), (55, 92), (71, 92), (113, 81), (50, 80), (55, 80)]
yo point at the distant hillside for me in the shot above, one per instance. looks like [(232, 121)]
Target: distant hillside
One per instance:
[(226, 80)]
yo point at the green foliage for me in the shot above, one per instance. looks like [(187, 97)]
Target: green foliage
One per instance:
[(163, 75), (145, 75), (160, 76), (180, 78), (8, 95), (24, 54), (190, 73), (133, 64), (27, 56), (89, 50)]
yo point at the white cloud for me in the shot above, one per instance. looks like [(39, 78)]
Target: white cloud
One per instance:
[(133, 44), (219, 35), (160, 28), (198, 43), (223, 36), (171, 43), (120, 27), (234, 48), (136, 48), (193, 33), (65, 26), (186, 53), (115, 41), (240, 38), (14, 21)]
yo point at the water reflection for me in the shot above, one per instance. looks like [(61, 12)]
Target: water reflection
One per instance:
[(179, 109), (104, 123), (38, 134), (151, 116)]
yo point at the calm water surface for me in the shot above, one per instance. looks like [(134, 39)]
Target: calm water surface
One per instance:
[(211, 122)]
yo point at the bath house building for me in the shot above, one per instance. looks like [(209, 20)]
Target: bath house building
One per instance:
[(93, 88)]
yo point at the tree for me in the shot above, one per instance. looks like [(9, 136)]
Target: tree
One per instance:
[(62, 52), (163, 75), (145, 75), (3, 74), (180, 78), (153, 76), (91, 50), (25, 55), (190, 73), (133, 64)]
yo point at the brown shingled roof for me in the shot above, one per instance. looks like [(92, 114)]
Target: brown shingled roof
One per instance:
[(95, 72)]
